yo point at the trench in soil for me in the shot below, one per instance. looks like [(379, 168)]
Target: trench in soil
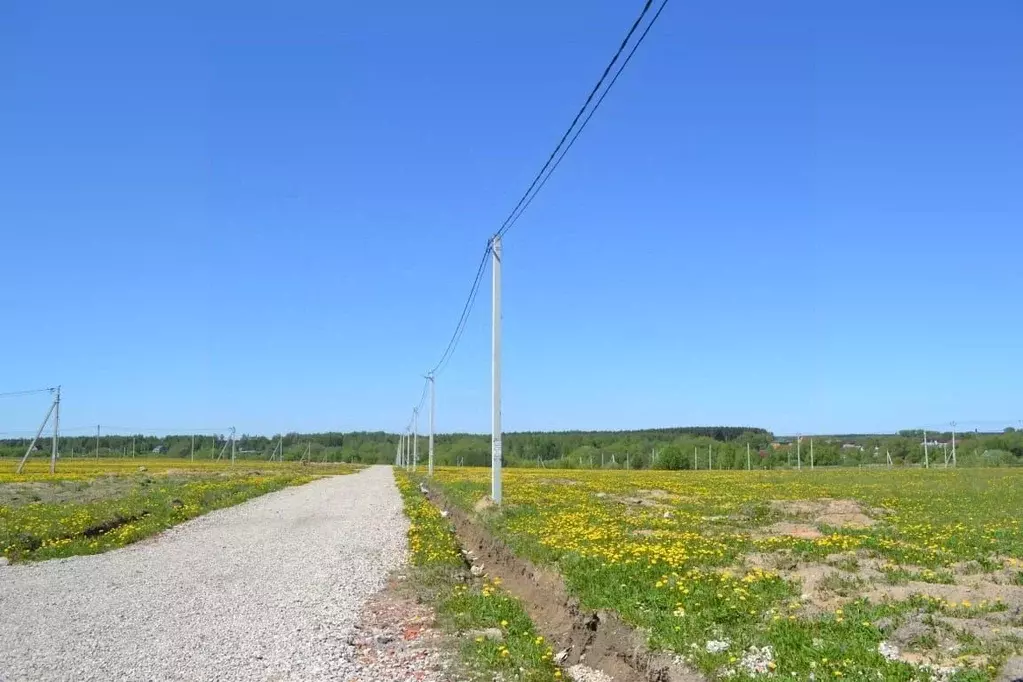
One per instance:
[(596, 639)]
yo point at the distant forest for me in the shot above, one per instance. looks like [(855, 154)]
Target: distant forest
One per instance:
[(719, 447)]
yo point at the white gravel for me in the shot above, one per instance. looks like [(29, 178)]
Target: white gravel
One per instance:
[(267, 590)]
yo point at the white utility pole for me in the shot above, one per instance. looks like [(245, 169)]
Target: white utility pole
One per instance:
[(97, 441), (133, 447), (953, 443), (433, 409), (799, 456), (56, 432), (747, 457), (811, 454), (927, 459), (710, 457), (32, 445), (495, 375), (696, 462), (415, 437), (232, 444), (191, 456)]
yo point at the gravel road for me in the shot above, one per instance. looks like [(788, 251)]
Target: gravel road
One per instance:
[(267, 590)]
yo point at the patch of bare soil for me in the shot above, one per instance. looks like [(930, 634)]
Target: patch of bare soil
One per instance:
[(103, 487), (973, 591), (659, 495), (395, 639), (825, 512), (802, 531), (599, 640)]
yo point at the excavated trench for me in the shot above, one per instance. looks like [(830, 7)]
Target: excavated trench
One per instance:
[(596, 639)]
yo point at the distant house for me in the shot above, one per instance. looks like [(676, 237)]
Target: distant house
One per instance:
[(852, 446), (160, 450)]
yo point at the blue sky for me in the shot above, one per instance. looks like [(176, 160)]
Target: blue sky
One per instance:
[(798, 215)]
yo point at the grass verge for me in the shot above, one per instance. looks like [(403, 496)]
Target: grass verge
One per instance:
[(497, 639)]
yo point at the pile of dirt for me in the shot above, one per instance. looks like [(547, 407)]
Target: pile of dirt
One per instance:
[(825, 512)]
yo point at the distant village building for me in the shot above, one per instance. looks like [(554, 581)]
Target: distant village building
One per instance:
[(160, 450)]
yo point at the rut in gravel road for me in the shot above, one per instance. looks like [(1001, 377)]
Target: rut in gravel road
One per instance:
[(266, 590)]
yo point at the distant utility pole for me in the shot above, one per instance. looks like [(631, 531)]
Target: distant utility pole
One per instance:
[(415, 438), (696, 462), (710, 457), (495, 370), (433, 409), (133, 447), (55, 405), (56, 432), (799, 456), (953, 443), (927, 459), (232, 445), (811, 453), (747, 457), (97, 441)]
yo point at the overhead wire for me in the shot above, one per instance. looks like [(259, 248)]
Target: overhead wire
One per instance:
[(579, 130), (548, 168), (506, 225), (464, 317), (28, 392)]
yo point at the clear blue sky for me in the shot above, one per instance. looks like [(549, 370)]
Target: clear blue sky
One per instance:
[(799, 215)]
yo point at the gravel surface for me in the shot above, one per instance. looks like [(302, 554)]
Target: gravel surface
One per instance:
[(396, 641), (268, 590)]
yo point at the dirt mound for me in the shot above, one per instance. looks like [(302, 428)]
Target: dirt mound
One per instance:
[(825, 512)]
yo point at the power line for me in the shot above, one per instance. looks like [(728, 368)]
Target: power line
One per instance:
[(579, 130), (464, 317), (28, 392), (548, 168), (510, 220)]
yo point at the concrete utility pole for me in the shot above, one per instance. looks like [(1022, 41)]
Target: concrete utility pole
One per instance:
[(415, 438), (32, 445), (927, 459), (232, 445), (696, 463), (811, 454), (191, 455), (953, 443), (133, 447), (799, 455), (97, 441), (710, 457), (56, 432), (433, 409), (747, 457), (495, 371)]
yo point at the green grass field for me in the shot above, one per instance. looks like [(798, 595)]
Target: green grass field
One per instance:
[(894, 575)]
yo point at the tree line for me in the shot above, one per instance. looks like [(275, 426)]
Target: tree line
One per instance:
[(717, 447)]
